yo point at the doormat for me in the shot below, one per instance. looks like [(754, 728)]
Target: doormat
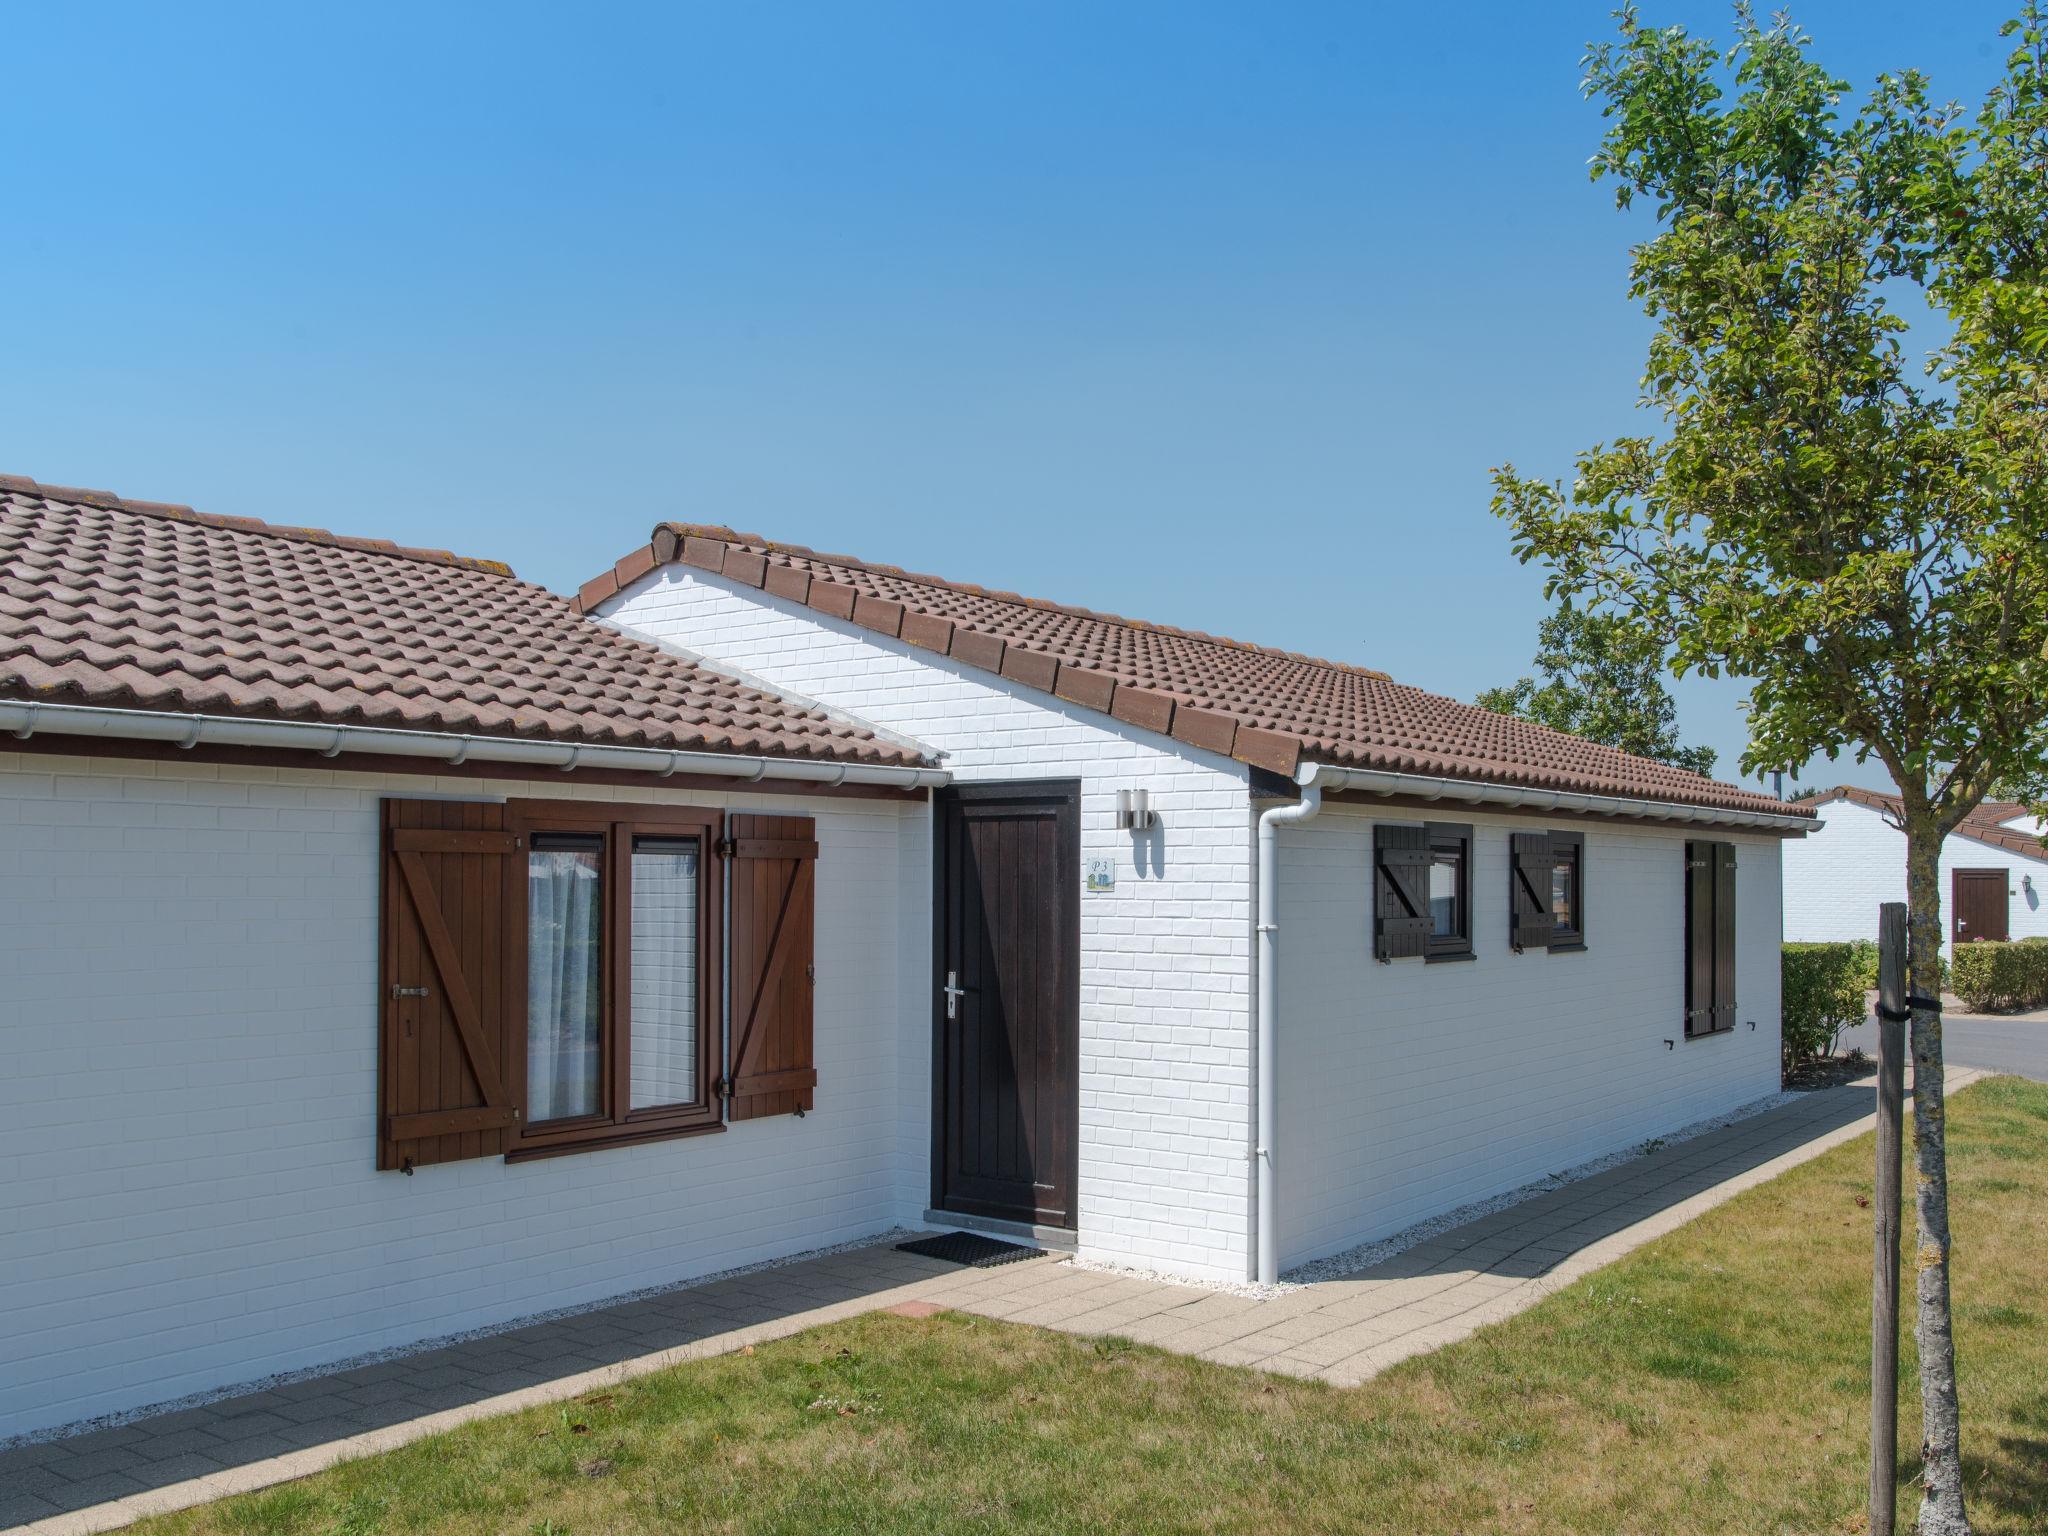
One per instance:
[(969, 1248)]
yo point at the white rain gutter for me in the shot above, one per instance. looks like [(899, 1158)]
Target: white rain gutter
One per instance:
[(1270, 821), (24, 720), (1422, 786)]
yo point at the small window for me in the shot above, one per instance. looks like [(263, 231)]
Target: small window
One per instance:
[(1450, 891), (1546, 891), (1567, 889), (620, 1017)]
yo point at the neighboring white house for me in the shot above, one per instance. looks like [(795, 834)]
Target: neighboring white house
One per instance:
[(395, 950), (1994, 871)]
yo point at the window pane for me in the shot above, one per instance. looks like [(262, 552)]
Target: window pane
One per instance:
[(1561, 893), (1443, 896), (664, 1004), (564, 967)]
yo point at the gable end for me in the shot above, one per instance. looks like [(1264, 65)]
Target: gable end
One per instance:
[(1146, 708)]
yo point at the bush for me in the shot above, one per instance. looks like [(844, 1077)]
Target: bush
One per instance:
[(1866, 963), (1823, 995), (1990, 977)]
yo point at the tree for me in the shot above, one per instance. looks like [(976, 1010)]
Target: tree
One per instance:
[(1862, 534), (1602, 681), (2030, 790)]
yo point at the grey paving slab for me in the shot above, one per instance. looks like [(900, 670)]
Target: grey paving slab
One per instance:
[(20, 1508)]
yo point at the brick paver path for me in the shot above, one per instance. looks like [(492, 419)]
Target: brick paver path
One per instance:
[(1342, 1331)]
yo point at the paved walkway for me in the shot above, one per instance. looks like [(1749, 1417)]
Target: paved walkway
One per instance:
[(1342, 1331)]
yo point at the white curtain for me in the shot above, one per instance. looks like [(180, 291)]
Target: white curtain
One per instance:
[(563, 962), (664, 992)]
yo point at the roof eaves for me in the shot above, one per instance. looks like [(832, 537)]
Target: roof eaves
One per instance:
[(1989, 833), (2006, 839), (1871, 799), (1507, 791)]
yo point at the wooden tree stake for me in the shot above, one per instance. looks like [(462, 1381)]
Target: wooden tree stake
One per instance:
[(1884, 1255)]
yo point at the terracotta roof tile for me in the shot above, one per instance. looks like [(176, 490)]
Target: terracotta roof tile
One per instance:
[(139, 605), (1271, 708), (1985, 825)]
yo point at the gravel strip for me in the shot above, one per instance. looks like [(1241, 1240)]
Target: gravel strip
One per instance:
[(1339, 1265), (1247, 1288)]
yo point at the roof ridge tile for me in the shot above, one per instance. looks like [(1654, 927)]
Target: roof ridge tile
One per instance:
[(1264, 706), (108, 501), (152, 606), (853, 562)]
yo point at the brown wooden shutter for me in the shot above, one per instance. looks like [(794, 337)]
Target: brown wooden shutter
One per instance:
[(1531, 923), (452, 903), (1724, 935), (1400, 912), (774, 903)]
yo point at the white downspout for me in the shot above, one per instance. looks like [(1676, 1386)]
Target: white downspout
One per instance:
[(1269, 1009)]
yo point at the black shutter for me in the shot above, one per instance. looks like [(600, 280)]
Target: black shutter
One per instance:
[(1530, 924), (1400, 910), (1699, 937), (1724, 936), (1709, 938)]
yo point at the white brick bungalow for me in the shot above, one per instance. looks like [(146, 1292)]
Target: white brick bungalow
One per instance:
[(899, 903), (1994, 871)]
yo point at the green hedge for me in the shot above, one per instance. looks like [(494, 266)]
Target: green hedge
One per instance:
[(1823, 995), (1866, 963), (1989, 977)]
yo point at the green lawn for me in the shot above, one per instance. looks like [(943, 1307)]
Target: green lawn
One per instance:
[(1713, 1382)]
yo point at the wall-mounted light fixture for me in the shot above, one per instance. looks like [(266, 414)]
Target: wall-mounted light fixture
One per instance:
[(1134, 810)]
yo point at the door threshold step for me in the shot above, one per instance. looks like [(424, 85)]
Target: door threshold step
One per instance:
[(1056, 1239)]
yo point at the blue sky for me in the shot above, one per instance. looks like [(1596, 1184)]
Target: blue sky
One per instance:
[(1214, 315)]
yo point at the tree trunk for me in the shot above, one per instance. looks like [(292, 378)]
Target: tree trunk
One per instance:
[(1941, 1497)]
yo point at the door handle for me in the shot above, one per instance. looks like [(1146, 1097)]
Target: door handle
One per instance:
[(954, 992)]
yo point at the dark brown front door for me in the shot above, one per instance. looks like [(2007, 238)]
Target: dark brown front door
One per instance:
[(1979, 906), (1007, 989)]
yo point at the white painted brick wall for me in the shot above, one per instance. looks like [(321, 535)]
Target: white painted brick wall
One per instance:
[(1165, 957), (1837, 878), (187, 1106), (1407, 1089)]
